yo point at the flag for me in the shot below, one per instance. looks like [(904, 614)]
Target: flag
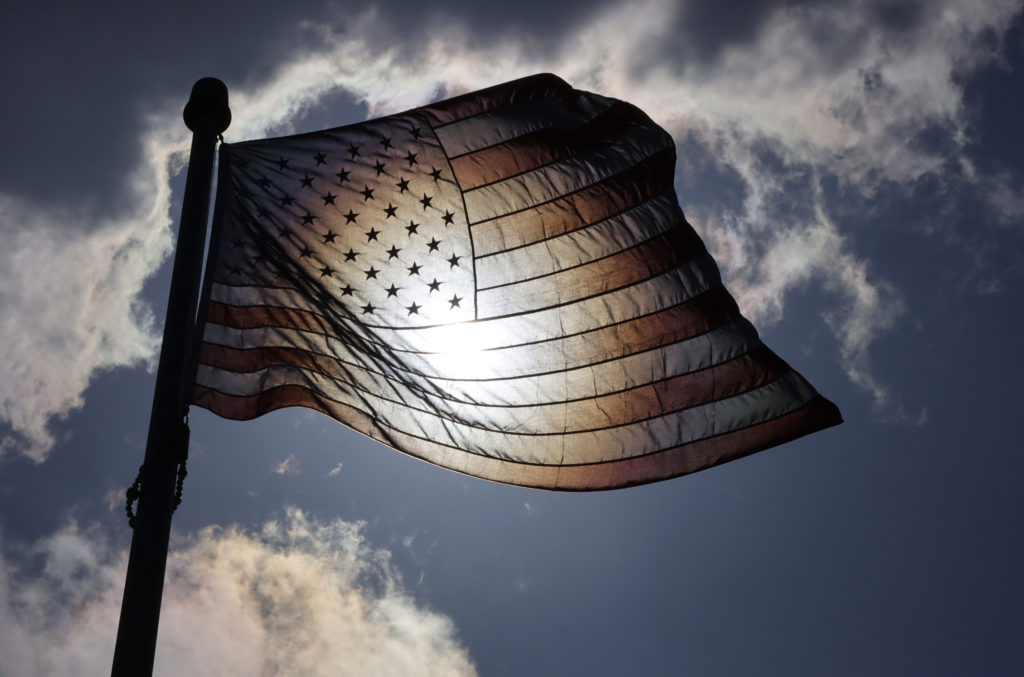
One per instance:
[(502, 284)]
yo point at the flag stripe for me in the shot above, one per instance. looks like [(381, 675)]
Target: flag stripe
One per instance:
[(765, 403), (530, 145), (571, 385), (671, 462), (644, 261), (635, 403), (784, 394), (493, 128), (670, 288), (560, 178), (710, 313), (628, 228), (623, 408), (667, 248), (536, 87), (704, 312), (244, 360), (547, 369), (615, 194)]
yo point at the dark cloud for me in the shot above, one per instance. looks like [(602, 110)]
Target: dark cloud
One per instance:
[(996, 141), (541, 19), (78, 81), (896, 15), (705, 29), (709, 27)]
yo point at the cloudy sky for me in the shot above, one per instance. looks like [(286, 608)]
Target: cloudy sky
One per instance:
[(856, 168)]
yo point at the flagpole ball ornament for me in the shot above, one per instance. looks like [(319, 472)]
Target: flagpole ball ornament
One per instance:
[(207, 107)]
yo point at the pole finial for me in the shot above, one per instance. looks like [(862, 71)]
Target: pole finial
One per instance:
[(207, 108)]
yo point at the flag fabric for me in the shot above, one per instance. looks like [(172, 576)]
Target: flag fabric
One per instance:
[(502, 284)]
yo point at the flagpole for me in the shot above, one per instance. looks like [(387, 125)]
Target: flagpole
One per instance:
[(207, 115)]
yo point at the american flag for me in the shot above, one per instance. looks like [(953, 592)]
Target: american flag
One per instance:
[(502, 284)]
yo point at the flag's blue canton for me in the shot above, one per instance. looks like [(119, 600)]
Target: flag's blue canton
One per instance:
[(371, 214)]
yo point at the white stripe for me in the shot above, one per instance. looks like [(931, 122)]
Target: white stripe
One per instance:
[(557, 447), (530, 295), (561, 415), (487, 129), (598, 240), (565, 176), (463, 363), (624, 374), (260, 296), (663, 291)]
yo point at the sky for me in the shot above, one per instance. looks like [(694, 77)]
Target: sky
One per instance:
[(856, 169)]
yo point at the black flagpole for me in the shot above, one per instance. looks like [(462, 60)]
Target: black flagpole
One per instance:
[(207, 115)]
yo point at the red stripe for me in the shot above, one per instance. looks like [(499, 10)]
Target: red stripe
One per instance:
[(633, 265), (532, 88), (240, 408), (577, 210), (545, 146), (248, 317), (739, 375), (247, 360), (678, 323), (816, 415)]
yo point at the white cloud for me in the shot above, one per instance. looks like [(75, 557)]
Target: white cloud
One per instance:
[(783, 111), (69, 296), (299, 598), (114, 499), (335, 471), (289, 466), (820, 91), (849, 105)]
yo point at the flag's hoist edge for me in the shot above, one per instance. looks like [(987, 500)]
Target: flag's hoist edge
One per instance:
[(618, 358)]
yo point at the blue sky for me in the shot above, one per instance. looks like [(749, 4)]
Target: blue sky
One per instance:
[(856, 170)]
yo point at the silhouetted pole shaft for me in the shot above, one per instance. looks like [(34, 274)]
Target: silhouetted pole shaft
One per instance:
[(207, 115)]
